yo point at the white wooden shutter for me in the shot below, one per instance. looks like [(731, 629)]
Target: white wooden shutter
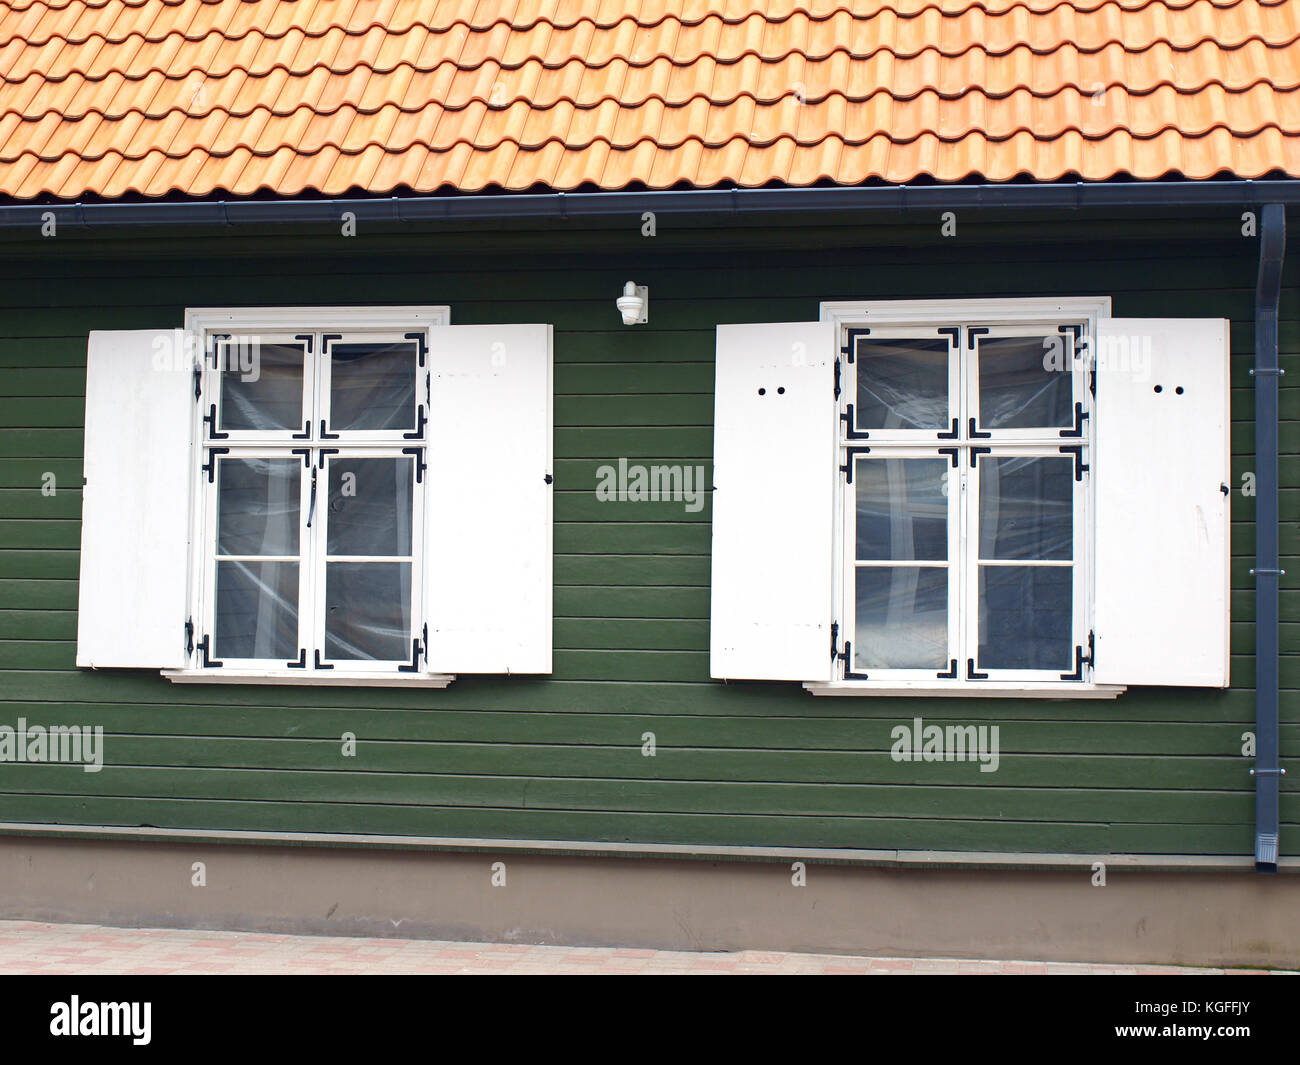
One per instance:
[(1162, 464), (136, 501), (774, 476), (488, 500)]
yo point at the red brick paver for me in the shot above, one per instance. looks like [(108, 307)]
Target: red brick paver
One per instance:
[(72, 949)]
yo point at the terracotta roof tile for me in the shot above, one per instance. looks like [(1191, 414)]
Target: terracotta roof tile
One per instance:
[(235, 97)]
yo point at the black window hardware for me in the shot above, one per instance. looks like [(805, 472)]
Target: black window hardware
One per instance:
[(189, 637), (973, 332), (1080, 467), (210, 467), (415, 659), (1080, 660), (306, 431), (1079, 415), (837, 379), (850, 433), (311, 510), (953, 452), (203, 646), (324, 453), (418, 453), (324, 435), (850, 350), (847, 658), (216, 338), (302, 653), (976, 452), (971, 673), (319, 664), (951, 674), (975, 434), (835, 639), (951, 331), (210, 420), (421, 340), (852, 452), (305, 452), (308, 339), (198, 382), (419, 425), (953, 433)]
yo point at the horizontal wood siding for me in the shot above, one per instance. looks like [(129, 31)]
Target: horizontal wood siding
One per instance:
[(1157, 771)]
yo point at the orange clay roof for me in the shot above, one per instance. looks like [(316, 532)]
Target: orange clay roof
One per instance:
[(116, 98)]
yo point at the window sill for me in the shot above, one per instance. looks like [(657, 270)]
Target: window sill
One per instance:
[(322, 679), (965, 690)]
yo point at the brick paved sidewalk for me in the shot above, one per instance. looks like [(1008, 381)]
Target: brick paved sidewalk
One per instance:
[(30, 947)]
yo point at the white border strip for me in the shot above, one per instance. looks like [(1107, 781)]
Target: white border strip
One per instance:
[(579, 848)]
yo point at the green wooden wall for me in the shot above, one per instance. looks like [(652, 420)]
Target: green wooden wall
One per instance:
[(1157, 771)]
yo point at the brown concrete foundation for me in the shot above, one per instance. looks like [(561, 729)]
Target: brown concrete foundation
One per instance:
[(1227, 918)]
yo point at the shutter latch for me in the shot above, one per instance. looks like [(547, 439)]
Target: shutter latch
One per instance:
[(189, 637)]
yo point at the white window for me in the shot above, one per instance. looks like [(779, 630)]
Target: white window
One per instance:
[(318, 495), (972, 497)]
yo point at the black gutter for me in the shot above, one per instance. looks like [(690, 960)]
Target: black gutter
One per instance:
[(1267, 771), (561, 205)]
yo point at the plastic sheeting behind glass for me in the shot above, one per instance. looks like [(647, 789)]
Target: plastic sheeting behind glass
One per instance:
[(1025, 382), (902, 618), (1026, 507), (257, 610), (370, 506), (261, 387), (368, 610), (1025, 617), (902, 384), (257, 506), (372, 385), (902, 509)]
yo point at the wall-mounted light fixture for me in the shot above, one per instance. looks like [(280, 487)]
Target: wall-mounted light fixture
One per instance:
[(634, 304)]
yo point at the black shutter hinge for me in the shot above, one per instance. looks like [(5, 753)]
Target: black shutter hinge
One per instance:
[(189, 637), (198, 382), (837, 378), (835, 640)]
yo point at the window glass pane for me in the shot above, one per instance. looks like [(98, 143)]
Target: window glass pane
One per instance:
[(902, 618), (257, 610), (1026, 507), (1025, 382), (370, 506), (902, 384), (902, 509), (368, 610), (257, 506), (1025, 614), (261, 386), (372, 386)]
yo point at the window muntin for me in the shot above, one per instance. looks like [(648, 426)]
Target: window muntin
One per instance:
[(966, 560), (311, 529)]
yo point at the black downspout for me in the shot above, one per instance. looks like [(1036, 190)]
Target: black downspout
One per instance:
[(1267, 771)]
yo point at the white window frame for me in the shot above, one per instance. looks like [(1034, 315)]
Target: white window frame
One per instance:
[(354, 323), (894, 317)]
